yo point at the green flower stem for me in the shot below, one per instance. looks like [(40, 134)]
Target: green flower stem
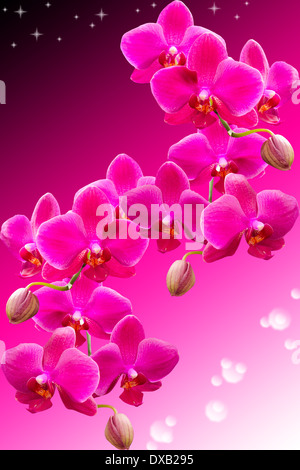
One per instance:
[(61, 288), (108, 406), (192, 253), (211, 186), (89, 343), (242, 134)]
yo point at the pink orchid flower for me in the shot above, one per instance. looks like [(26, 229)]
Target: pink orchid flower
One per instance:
[(35, 372), (212, 153), (279, 81), (264, 218), (19, 234), (86, 236), (141, 362), (153, 46), (87, 306), (209, 82), (123, 174), (172, 194)]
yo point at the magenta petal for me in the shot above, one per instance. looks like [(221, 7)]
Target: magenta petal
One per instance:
[(191, 34), (174, 19), (21, 363), (204, 57), (264, 249), (172, 87), (278, 210), (127, 334), (142, 45), (282, 80), (77, 374), (238, 186), (138, 203), (222, 221), (97, 274), (87, 205), (248, 120), (145, 75), (82, 291), (171, 180), (111, 366), (116, 269), (51, 274), (107, 187), (211, 254), (125, 172), (193, 153), (253, 54), (184, 115), (132, 396), (61, 339), (35, 404), (107, 307), (155, 359), (166, 245), (61, 239), (239, 86), (88, 407), (15, 233), (192, 206), (46, 208), (54, 306), (127, 249)]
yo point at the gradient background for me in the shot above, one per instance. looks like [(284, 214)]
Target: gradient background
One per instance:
[(71, 108)]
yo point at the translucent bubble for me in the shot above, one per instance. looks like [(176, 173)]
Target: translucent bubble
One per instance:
[(216, 381), (151, 445), (295, 293), (279, 319), (216, 411), (160, 432), (171, 421), (289, 344), (235, 373), (264, 322)]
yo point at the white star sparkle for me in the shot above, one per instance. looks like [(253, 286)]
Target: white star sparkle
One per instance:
[(101, 14), (36, 34), (20, 12), (214, 8)]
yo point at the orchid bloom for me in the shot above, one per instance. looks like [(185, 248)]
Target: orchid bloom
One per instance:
[(85, 235), (212, 153), (87, 306), (141, 362), (264, 218), (279, 81), (35, 372), (153, 46), (19, 234), (170, 195), (209, 82), (123, 174)]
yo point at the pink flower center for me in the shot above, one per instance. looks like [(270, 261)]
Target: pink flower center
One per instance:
[(42, 386), (269, 100), (172, 57), (224, 167), (98, 256), (202, 102), (29, 252), (132, 379), (76, 321), (258, 232)]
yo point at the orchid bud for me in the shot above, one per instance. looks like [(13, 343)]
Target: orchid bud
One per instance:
[(180, 278), (119, 431), (21, 306), (278, 152)]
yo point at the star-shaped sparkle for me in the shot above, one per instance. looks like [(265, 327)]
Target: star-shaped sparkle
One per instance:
[(101, 14), (36, 34), (214, 8), (237, 17), (20, 12)]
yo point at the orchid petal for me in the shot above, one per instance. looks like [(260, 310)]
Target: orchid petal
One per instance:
[(174, 19), (46, 208), (111, 366), (278, 210), (238, 85), (238, 186), (155, 359), (171, 180), (253, 54), (222, 221), (282, 80), (172, 87), (61, 239), (15, 233), (125, 172), (127, 334), (61, 339)]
